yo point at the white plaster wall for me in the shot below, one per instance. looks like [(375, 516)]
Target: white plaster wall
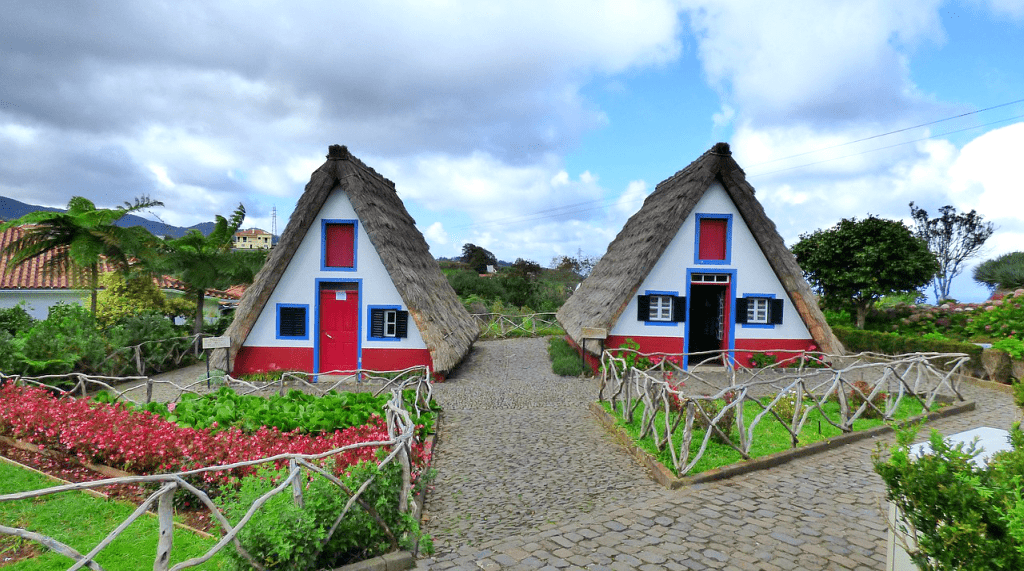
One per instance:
[(38, 301), (298, 284), (753, 275)]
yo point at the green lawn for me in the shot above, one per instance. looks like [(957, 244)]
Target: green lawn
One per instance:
[(770, 436), (82, 521)]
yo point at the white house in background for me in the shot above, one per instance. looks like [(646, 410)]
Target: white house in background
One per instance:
[(350, 285), (700, 268), (252, 239)]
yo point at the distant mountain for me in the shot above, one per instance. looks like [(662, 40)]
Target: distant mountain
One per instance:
[(11, 209)]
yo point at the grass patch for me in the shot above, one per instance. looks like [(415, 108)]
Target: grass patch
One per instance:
[(770, 436), (565, 360), (82, 521)]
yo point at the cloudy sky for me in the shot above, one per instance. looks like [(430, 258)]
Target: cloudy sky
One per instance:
[(532, 128)]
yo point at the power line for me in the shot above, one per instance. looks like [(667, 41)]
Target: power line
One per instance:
[(888, 133)]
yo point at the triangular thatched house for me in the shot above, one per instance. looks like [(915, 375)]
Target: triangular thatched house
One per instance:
[(699, 268), (351, 284)]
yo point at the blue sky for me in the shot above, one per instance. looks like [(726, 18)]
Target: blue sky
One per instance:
[(531, 128)]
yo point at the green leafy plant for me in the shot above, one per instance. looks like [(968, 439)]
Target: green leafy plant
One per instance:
[(565, 360), (1015, 347), (283, 535), (762, 360), (965, 516)]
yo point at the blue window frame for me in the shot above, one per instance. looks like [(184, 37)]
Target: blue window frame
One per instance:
[(661, 308), (386, 323), (324, 224), (759, 311), (293, 321), (728, 240)]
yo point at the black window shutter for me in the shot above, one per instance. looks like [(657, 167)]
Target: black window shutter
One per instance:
[(643, 308), (775, 313), (377, 323), (401, 324), (293, 321), (741, 310), (679, 309)]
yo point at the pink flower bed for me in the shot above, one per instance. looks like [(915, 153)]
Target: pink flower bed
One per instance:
[(143, 443)]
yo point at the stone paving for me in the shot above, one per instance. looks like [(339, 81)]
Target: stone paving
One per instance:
[(529, 480)]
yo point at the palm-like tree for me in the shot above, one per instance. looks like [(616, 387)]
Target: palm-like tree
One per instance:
[(81, 238), (203, 262)]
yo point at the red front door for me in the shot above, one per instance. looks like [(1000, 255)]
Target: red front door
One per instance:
[(339, 327)]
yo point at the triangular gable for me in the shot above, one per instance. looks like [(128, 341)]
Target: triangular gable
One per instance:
[(603, 296), (446, 327)]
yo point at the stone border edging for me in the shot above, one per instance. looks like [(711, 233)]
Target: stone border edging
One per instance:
[(664, 476)]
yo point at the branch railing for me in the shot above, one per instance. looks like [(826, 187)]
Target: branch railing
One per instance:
[(501, 326), (141, 390), (301, 467), (671, 399), (156, 355)]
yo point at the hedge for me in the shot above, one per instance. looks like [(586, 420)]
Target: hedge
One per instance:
[(859, 340)]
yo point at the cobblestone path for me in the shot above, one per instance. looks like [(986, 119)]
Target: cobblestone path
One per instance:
[(528, 480)]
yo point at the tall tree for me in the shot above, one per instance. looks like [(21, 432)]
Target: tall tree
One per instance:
[(953, 237), (477, 257), (80, 240), (856, 262), (203, 262)]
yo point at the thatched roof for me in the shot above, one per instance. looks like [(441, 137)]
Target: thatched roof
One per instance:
[(633, 254), (446, 327)]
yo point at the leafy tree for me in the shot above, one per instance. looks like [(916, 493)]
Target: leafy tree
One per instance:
[(1004, 272), (859, 261), (580, 264), (125, 296), (205, 262), (81, 238), (478, 258), (953, 237)]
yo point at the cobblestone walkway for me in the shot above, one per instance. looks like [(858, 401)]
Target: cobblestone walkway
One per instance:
[(528, 480)]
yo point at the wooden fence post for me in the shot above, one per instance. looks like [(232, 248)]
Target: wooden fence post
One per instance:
[(165, 515)]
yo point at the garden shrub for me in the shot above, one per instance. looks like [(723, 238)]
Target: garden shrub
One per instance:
[(15, 320), (726, 424), (67, 340), (857, 341), (282, 535), (966, 517), (858, 395)]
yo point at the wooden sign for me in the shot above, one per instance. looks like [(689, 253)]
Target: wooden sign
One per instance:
[(595, 333), (216, 342)]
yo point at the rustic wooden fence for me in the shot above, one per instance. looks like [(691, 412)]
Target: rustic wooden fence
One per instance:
[(301, 467), (671, 398), (501, 326), (142, 390), (153, 356)]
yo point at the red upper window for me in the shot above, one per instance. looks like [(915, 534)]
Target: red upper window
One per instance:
[(713, 238), (340, 245)]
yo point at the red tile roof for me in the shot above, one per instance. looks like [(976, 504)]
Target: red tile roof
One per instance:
[(30, 275)]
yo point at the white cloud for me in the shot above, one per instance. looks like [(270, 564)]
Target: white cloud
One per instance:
[(435, 234), (632, 199), (815, 62), (1014, 9), (986, 174)]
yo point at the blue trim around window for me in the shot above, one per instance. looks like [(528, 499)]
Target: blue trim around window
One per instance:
[(759, 325), (369, 322), (728, 241), (323, 244), (674, 317), (316, 320), (304, 306), (730, 299)]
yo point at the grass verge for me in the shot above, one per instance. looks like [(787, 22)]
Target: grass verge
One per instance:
[(770, 436), (82, 521), (565, 360)]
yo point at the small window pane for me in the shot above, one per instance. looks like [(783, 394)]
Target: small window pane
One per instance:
[(757, 310), (661, 308), (390, 322)]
